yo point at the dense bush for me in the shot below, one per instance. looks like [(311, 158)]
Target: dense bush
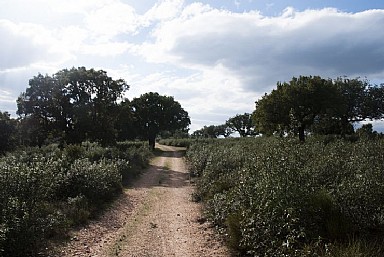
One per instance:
[(184, 142), (276, 197), (176, 142), (43, 191)]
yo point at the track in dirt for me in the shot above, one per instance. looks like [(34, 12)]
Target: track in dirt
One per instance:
[(154, 217)]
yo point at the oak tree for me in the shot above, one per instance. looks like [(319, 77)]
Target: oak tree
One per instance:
[(243, 124), (319, 105), (293, 106), (73, 105), (154, 113)]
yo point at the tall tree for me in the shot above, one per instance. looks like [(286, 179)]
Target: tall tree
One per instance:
[(272, 113), (321, 105), (155, 113), (125, 122), (243, 124), (293, 106), (76, 104), (42, 103), (7, 132), (359, 101)]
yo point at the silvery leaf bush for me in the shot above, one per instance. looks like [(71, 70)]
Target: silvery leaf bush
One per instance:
[(278, 197)]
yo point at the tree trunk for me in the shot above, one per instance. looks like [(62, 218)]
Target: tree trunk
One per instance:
[(152, 142), (302, 134)]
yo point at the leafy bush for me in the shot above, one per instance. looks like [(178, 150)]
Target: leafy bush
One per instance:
[(77, 210), (184, 142), (126, 145), (26, 190), (276, 197), (97, 181), (45, 190)]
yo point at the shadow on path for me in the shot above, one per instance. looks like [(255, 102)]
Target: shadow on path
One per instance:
[(168, 171)]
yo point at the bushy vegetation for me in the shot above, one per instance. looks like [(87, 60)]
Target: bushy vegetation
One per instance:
[(44, 191), (183, 142), (277, 197)]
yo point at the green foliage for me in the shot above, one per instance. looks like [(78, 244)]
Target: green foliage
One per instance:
[(213, 131), (366, 132), (321, 106), (26, 189), (276, 197), (72, 106), (7, 132), (125, 123), (77, 210), (97, 181), (357, 248), (155, 113), (45, 190), (293, 106), (183, 142), (79, 104), (243, 124)]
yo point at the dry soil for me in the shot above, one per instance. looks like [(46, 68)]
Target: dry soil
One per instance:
[(153, 217)]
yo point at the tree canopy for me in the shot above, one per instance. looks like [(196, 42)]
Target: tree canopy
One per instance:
[(72, 105), (7, 132), (243, 124), (154, 113), (317, 104), (212, 131)]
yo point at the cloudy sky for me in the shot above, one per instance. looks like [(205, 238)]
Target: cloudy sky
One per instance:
[(216, 57)]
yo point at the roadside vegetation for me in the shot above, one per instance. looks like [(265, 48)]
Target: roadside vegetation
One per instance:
[(278, 197), (46, 191), (183, 142)]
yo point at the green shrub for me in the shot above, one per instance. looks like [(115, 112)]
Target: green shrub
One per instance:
[(180, 142), (126, 145), (45, 190), (73, 152), (97, 181), (277, 197), (27, 215), (77, 210)]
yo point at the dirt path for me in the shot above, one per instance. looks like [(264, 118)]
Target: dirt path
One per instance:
[(155, 217)]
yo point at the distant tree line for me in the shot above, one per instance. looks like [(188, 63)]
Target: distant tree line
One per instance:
[(241, 124), (82, 104), (76, 105), (308, 105)]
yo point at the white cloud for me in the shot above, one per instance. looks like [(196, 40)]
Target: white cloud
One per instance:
[(26, 45), (112, 19), (110, 49), (163, 10), (6, 96), (262, 50)]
